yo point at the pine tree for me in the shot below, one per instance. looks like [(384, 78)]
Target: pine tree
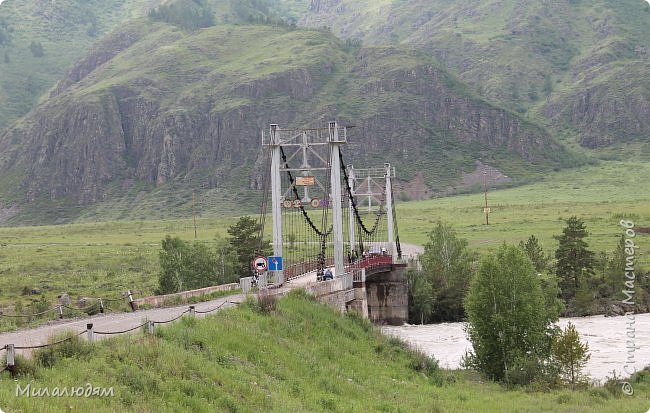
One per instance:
[(575, 262), (244, 241), (570, 354), (614, 274), (535, 253)]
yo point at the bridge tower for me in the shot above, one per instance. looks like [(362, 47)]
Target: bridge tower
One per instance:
[(372, 188), (319, 153)]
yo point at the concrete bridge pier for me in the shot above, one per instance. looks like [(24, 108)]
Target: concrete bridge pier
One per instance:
[(360, 302), (387, 296)]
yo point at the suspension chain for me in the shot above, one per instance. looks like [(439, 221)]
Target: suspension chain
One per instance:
[(302, 208), (354, 203)]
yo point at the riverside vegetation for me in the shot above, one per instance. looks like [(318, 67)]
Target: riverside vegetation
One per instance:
[(302, 356)]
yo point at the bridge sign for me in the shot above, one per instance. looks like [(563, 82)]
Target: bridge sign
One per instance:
[(260, 264), (275, 263)]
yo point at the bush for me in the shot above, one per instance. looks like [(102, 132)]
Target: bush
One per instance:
[(188, 15), (69, 345), (266, 302), (426, 365), (535, 373), (22, 365), (614, 385)]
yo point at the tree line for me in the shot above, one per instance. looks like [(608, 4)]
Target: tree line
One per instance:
[(186, 265), (512, 298)]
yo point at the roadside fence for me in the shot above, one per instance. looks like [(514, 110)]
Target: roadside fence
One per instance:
[(91, 334)]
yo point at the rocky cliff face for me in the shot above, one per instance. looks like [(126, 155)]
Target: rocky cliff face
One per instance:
[(116, 120), (607, 106), (583, 66)]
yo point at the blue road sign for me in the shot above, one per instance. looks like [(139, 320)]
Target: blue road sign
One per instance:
[(275, 263)]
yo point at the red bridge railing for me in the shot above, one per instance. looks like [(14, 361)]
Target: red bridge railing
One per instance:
[(301, 268)]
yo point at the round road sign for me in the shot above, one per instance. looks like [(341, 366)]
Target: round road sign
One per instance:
[(260, 264)]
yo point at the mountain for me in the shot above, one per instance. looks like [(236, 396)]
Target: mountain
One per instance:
[(169, 97), (580, 67), (155, 111), (40, 39)]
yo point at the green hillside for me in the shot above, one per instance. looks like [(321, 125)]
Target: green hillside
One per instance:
[(39, 40), (302, 357), (535, 57)]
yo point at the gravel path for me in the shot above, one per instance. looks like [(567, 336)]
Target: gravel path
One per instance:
[(110, 322)]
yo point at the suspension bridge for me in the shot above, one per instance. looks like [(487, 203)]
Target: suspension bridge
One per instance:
[(334, 226)]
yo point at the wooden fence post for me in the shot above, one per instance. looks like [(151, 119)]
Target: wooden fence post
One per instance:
[(131, 302), (11, 360), (101, 306), (150, 325), (91, 332), (192, 311), (61, 311)]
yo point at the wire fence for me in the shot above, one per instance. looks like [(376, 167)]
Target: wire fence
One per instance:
[(97, 305), (89, 331), (214, 309), (121, 331), (47, 344), (173, 319)]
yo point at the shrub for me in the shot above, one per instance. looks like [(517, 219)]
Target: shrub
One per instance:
[(613, 385), (69, 345), (22, 365), (426, 365), (266, 302)]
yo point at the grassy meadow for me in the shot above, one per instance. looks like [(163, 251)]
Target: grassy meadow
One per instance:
[(601, 195), (301, 357), (107, 258)]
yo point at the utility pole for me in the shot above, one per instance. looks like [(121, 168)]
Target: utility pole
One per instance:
[(486, 209), (194, 213)]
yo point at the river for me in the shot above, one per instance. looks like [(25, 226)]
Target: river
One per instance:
[(606, 337)]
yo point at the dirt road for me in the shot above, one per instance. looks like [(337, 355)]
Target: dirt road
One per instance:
[(110, 322)]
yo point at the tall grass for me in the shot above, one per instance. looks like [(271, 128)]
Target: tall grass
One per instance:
[(303, 357)]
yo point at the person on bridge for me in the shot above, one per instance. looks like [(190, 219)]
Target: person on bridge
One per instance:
[(328, 275)]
